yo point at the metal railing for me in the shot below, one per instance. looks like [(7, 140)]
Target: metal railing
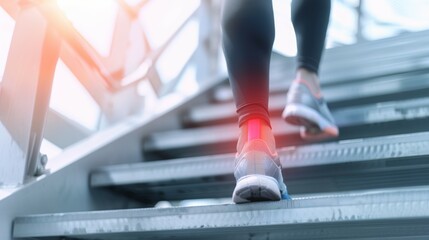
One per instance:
[(27, 83)]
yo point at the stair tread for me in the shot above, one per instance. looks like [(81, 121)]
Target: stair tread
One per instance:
[(304, 217), (396, 146), (190, 177), (380, 113), (399, 86)]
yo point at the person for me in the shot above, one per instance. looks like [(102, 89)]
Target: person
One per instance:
[(248, 36)]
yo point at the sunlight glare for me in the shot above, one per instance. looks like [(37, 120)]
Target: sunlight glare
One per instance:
[(94, 19)]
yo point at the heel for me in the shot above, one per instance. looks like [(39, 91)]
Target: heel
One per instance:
[(254, 188), (315, 126)]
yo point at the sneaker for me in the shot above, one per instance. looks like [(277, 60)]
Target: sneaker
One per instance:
[(304, 108), (258, 174)]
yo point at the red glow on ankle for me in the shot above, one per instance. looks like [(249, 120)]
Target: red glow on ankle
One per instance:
[(254, 129)]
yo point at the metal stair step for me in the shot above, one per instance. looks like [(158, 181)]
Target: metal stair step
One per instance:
[(363, 62), (281, 80), (379, 214), (373, 45), (391, 161), (360, 121), (362, 49), (375, 90)]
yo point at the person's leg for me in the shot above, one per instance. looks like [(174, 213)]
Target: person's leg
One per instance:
[(310, 20), (305, 105), (248, 35)]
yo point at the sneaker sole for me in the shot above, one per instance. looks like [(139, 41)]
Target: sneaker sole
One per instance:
[(256, 188), (316, 126)]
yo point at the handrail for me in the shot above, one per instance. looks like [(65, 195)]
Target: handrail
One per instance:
[(87, 54), (89, 67), (150, 61), (81, 46), (77, 42), (75, 46)]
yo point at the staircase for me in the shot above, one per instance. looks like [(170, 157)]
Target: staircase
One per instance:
[(370, 183)]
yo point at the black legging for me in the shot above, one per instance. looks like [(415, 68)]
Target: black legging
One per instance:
[(248, 36)]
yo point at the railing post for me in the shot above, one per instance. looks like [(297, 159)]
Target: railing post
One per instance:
[(25, 94), (360, 18), (209, 42)]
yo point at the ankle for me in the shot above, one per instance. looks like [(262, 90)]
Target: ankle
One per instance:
[(254, 129), (311, 78)]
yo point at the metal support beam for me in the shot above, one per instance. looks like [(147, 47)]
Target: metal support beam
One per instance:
[(67, 186), (26, 90), (63, 131)]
